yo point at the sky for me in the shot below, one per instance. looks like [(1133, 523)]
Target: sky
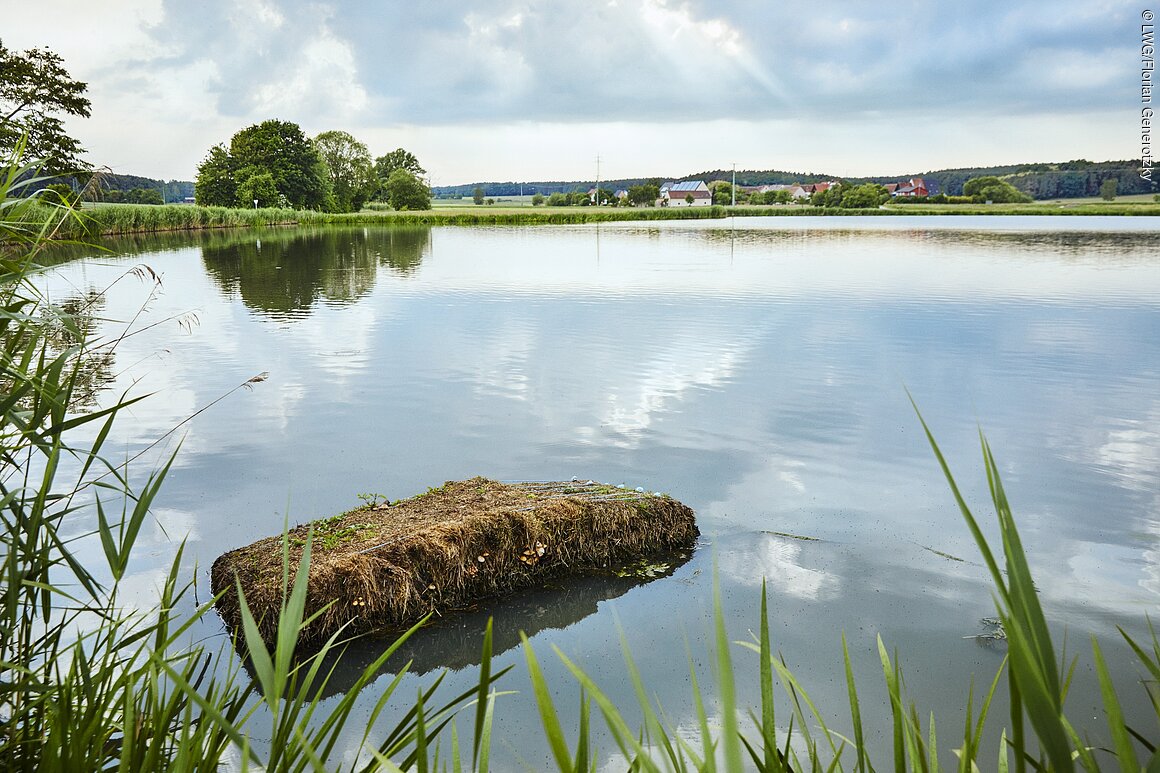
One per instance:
[(498, 90)]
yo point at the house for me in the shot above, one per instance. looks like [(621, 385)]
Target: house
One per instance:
[(691, 193), (915, 186), (795, 191)]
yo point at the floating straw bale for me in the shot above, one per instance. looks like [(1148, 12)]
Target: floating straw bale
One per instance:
[(385, 566)]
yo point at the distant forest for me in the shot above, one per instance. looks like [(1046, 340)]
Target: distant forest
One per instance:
[(1063, 180), (127, 188)]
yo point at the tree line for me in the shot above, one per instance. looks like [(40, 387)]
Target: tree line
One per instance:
[(274, 164)]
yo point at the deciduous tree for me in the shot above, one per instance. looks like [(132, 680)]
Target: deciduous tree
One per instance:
[(865, 196), (406, 191), (281, 148), (215, 185), (398, 158), (349, 169), (35, 89), (257, 185), (644, 195), (990, 188)]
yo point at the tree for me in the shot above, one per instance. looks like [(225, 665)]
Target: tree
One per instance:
[(1108, 189), (990, 188), (349, 169), (281, 148), (558, 199), (644, 195), (865, 196), (398, 159), (477, 195), (257, 185), (722, 192), (406, 191), (215, 185), (537, 199), (830, 197), (34, 89), (61, 193)]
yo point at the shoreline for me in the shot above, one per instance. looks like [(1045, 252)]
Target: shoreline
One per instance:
[(113, 220)]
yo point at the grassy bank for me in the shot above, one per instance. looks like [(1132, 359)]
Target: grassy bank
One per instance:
[(96, 221)]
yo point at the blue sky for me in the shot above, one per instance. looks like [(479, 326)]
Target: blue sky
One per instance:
[(532, 89)]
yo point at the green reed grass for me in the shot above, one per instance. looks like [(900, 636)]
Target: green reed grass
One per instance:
[(86, 685), (104, 220), (119, 219)]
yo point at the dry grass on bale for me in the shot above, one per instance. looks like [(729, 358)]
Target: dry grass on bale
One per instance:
[(385, 566)]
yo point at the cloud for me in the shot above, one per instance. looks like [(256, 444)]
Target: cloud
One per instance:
[(787, 85), (635, 60)]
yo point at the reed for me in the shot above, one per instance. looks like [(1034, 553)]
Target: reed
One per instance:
[(96, 221)]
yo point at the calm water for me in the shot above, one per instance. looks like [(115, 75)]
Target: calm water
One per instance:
[(758, 371)]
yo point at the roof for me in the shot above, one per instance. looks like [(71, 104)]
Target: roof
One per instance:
[(687, 186)]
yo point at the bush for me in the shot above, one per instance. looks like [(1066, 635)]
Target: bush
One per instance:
[(61, 193)]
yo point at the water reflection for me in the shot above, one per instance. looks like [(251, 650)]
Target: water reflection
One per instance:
[(455, 642), (285, 273), (759, 376)]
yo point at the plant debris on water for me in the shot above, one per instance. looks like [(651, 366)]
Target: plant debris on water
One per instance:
[(788, 535), (386, 566), (941, 554), (994, 634)]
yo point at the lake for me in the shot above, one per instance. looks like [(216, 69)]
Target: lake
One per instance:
[(756, 369)]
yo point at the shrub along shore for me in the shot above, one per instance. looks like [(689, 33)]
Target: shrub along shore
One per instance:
[(95, 221)]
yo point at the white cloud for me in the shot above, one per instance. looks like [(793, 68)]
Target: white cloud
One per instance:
[(526, 89)]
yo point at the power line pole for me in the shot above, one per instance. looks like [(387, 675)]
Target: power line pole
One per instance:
[(598, 178), (734, 186)]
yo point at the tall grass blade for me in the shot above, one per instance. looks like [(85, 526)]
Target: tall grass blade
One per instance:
[(771, 758), (548, 717), (483, 703), (1125, 752), (863, 762), (730, 732), (626, 740)]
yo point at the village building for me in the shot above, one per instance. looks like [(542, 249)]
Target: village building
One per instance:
[(795, 191), (914, 187), (690, 193)]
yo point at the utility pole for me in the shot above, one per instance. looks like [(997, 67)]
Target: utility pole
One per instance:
[(733, 188), (597, 178)]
